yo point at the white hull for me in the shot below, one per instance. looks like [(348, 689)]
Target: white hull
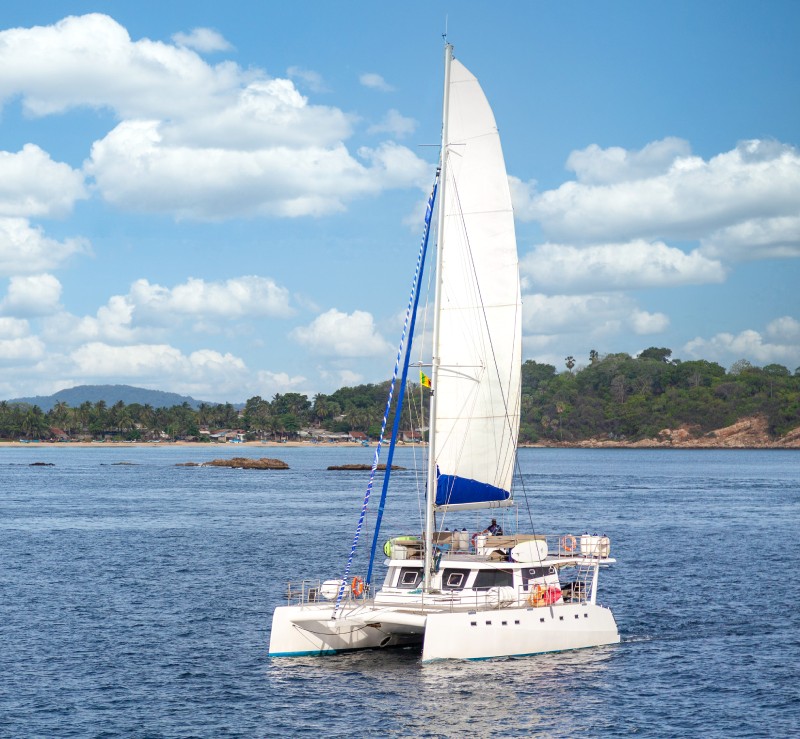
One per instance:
[(310, 630), (517, 632), (503, 632)]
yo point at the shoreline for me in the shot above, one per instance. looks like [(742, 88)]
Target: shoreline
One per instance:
[(792, 445)]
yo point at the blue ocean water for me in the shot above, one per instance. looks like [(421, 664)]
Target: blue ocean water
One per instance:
[(135, 599)]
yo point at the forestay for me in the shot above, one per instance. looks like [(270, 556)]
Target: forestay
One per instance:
[(478, 387)]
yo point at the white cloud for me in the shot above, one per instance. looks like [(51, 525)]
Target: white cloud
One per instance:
[(202, 39), (135, 168), (268, 383), (156, 363), (726, 348), (663, 192), (32, 295), (375, 82), (596, 166), (395, 124), (24, 248), (91, 60), (238, 297), (596, 315), (641, 322), (633, 265), (13, 328), (758, 238), (195, 140), (342, 334), (21, 351), (32, 184), (784, 329), (149, 310)]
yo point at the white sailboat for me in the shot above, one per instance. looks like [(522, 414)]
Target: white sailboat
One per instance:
[(466, 596)]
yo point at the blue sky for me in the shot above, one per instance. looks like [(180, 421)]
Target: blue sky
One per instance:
[(225, 199)]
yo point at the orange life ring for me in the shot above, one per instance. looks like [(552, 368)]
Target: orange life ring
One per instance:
[(538, 596), (568, 543), (357, 587)]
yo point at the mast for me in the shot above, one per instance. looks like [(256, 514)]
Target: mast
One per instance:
[(431, 481)]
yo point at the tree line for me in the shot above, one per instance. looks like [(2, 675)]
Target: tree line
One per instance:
[(614, 396)]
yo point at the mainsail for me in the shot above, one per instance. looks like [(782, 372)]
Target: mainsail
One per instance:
[(480, 334)]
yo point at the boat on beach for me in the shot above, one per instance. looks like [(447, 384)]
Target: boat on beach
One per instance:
[(457, 592)]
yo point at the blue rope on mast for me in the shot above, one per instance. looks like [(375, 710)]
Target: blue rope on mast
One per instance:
[(409, 320), (402, 392)]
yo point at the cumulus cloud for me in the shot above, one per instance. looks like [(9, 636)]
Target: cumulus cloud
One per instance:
[(395, 124), (342, 334), (13, 328), (24, 248), (268, 383), (32, 184), (597, 315), (136, 167), (150, 309), (195, 140), (238, 297), (151, 362), (375, 82), (784, 329), (636, 264), (32, 295), (664, 192), (758, 238), (91, 60), (780, 347), (21, 350), (596, 166), (202, 39)]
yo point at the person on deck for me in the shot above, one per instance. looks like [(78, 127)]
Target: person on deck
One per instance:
[(494, 529)]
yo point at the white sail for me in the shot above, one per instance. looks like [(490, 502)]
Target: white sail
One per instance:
[(480, 337)]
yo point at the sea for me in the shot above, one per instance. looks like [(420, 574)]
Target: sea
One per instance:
[(136, 597)]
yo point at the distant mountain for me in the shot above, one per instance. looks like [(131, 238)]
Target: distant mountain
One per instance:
[(111, 394)]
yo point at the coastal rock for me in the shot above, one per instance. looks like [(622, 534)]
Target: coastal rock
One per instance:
[(747, 433), (246, 463)]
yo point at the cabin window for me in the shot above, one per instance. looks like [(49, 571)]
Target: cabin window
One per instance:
[(409, 577), (454, 579), (493, 579)]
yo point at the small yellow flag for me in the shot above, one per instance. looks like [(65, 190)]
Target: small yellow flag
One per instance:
[(424, 380)]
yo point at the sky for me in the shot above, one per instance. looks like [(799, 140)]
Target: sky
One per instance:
[(225, 199)]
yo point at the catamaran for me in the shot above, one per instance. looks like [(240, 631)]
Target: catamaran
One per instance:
[(462, 595)]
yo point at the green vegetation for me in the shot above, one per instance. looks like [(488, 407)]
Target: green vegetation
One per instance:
[(615, 396)]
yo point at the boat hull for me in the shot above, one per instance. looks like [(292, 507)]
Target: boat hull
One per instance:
[(518, 632), (311, 631)]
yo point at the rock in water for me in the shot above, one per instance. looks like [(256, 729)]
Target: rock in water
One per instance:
[(246, 463)]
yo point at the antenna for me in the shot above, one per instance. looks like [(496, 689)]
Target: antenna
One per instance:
[(444, 35)]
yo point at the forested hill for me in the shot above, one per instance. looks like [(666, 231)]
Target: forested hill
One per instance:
[(615, 398), (109, 394), (621, 397)]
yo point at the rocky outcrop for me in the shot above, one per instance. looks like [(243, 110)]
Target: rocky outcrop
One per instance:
[(747, 433), (245, 463)]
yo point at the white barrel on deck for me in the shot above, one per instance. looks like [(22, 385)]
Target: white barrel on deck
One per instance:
[(595, 546)]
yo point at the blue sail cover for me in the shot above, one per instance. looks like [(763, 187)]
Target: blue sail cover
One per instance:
[(452, 490)]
